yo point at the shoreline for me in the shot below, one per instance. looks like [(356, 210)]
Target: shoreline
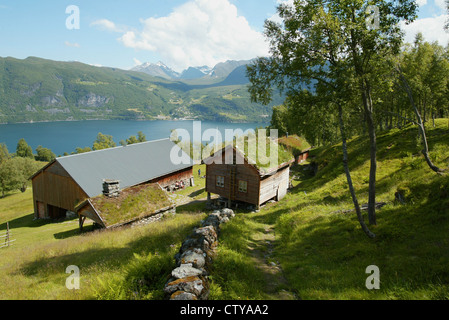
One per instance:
[(137, 120)]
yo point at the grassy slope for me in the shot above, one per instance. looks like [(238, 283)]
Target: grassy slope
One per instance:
[(28, 86), (128, 263), (324, 253)]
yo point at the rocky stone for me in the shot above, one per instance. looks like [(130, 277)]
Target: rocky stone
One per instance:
[(191, 257), (208, 232), (182, 295), (189, 280), (228, 213), (186, 270), (191, 284), (212, 220)]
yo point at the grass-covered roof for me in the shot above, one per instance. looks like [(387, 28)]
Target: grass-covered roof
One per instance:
[(132, 204)]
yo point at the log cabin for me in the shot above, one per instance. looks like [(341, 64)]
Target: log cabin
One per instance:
[(240, 180), (68, 181)]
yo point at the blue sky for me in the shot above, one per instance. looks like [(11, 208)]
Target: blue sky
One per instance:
[(180, 33)]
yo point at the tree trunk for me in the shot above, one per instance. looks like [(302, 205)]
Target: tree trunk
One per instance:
[(368, 106), (422, 130), (348, 176)]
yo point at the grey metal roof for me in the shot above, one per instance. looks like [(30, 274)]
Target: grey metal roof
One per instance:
[(132, 165)]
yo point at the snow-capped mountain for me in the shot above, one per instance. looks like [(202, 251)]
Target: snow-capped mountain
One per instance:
[(221, 70), (157, 70)]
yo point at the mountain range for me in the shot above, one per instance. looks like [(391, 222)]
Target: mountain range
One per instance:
[(36, 89), (221, 70)]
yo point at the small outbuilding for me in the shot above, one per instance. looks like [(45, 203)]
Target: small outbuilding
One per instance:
[(230, 174), (111, 210), (67, 182)]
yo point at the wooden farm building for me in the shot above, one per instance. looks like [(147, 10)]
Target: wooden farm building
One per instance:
[(237, 179), (127, 206), (69, 181), (298, 146)]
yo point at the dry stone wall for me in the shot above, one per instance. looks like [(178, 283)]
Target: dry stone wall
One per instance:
[(190, 278)]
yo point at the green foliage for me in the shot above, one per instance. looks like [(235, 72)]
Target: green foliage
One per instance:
[(319, 244), (143, 279), (4, 153), (36, 89), (44, 154), (103, 142), (133, 139), (15, 173), (83, 150), (23, 149)]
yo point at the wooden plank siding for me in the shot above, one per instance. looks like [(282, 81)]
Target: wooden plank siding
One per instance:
[(260, 188), (54, 187), (273, 185), (243, 172), (170, 179)]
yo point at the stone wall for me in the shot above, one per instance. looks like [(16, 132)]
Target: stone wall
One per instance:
[(190, 278)]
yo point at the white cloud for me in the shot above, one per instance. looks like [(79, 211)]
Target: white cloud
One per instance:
[(421, 2), (441, 4), (107, 25), (137, 62), (199, 32), (431, 28), (276, 18), (73, 45)]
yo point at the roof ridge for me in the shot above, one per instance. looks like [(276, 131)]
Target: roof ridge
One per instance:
[(108, 149)]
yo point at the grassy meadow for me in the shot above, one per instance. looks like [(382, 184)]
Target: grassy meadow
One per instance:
[(307, 246), (321, 250), (126, 263)]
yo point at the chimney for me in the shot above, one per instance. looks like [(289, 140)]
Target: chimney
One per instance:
[(111, 188)]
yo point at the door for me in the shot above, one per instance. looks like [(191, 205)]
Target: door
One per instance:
[(40, 210)]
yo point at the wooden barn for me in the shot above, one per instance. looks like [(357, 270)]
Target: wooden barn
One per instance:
[(237, 179), (299, 147), (68, 181)]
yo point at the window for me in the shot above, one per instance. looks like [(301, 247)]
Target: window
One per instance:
[(220, 181), (243, 186)]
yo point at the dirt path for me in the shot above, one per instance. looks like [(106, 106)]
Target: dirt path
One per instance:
[(262, 249)]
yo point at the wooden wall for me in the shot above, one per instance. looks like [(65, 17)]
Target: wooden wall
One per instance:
[(55, 188), (243, 172), (172, 178), (274, 185)]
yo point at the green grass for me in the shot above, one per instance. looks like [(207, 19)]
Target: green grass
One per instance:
[(131, 204), (324, 253), (126, 263)]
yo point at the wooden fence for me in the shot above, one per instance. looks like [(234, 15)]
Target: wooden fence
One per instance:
[(7, 237)]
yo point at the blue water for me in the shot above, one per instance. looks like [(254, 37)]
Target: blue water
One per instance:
[(63, 137)]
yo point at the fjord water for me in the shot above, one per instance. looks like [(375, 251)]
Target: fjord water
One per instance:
[(63, 137)]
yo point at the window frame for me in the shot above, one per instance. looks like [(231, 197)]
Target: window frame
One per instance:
[(243, 190), (220, 181)]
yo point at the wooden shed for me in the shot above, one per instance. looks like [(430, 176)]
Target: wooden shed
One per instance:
[(68, 181), (125, 207), (237, 179)]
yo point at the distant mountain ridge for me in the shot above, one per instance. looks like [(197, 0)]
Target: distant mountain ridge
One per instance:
[(36, 89), (221, 70)]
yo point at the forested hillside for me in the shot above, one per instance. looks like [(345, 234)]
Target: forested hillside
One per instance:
[(35, 89)]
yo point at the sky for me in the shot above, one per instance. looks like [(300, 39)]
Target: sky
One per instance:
[(180, 33)]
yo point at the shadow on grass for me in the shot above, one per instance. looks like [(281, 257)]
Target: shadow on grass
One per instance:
[(331, 253), (196, 193), (28, 221), (111, 258)]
